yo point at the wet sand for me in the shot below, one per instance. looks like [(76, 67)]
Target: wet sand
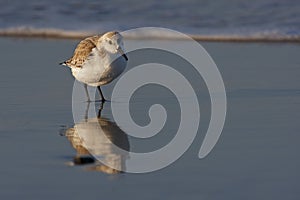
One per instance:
[(255, 158)]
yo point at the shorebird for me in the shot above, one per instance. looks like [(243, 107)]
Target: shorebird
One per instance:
[(98, 60)]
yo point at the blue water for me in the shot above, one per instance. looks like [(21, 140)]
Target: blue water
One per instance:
[(232, 17)]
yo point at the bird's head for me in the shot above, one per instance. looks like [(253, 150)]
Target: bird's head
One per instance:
[(112, 42)]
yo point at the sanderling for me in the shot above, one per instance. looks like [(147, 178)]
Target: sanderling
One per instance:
[(98, 60)]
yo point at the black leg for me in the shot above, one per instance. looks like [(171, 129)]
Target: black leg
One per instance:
[(87, 92), (86, 116), (100, 109), (101, 94)]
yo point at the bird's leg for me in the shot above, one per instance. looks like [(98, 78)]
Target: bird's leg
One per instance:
[(101, 94), (87, 93), (86, 116), (100, 109)]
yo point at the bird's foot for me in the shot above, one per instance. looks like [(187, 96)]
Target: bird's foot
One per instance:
[(102, 100)]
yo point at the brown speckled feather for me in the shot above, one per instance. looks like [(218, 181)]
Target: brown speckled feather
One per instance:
[(82, 52)]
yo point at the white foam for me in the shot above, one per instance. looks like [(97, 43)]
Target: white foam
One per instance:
[(272, 36)]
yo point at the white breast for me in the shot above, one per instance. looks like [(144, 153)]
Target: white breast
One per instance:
[(98, 70)]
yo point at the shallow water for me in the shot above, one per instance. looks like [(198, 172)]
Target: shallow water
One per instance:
[(255, 158)]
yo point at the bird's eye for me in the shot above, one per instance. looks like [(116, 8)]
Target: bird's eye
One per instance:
[(110, 42)]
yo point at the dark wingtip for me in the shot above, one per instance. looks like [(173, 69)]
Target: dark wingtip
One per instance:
[(63, 63)]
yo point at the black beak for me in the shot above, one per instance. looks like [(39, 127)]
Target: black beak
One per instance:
[(124, 55)]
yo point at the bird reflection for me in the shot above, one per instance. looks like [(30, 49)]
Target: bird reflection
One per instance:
[(94, 138)]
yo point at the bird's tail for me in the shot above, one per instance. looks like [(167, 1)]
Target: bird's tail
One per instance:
[(63, 63)]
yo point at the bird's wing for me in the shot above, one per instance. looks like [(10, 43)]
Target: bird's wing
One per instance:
[(82, 52)]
